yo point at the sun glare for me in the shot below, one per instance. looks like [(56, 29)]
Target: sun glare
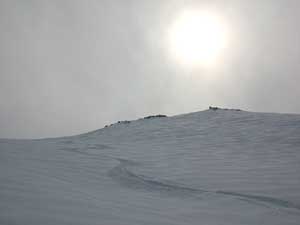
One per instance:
[(197, 38)]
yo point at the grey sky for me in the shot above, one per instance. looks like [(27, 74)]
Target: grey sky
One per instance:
[(67, 67)]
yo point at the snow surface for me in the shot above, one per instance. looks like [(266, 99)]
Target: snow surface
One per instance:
[(211, 167)]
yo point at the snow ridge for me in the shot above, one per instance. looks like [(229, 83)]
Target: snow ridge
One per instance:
[(212, 167)]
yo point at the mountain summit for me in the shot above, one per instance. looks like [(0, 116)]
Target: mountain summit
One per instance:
[(218, 166)]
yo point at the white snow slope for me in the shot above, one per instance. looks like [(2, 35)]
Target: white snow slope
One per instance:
[(211, 167)]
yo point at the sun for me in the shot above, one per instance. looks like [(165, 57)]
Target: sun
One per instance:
[(197, 38)]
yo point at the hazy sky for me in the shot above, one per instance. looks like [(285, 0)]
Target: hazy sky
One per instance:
[(67, 67)]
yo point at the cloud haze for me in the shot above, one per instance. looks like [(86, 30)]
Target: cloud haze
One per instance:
[(68, 67)]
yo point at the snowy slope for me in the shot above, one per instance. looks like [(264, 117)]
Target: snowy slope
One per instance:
[(210, 167)]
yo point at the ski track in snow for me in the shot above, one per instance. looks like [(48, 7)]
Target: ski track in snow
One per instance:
[(124, 176)]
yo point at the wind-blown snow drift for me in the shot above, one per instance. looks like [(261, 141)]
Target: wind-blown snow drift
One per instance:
[(210, 167)]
